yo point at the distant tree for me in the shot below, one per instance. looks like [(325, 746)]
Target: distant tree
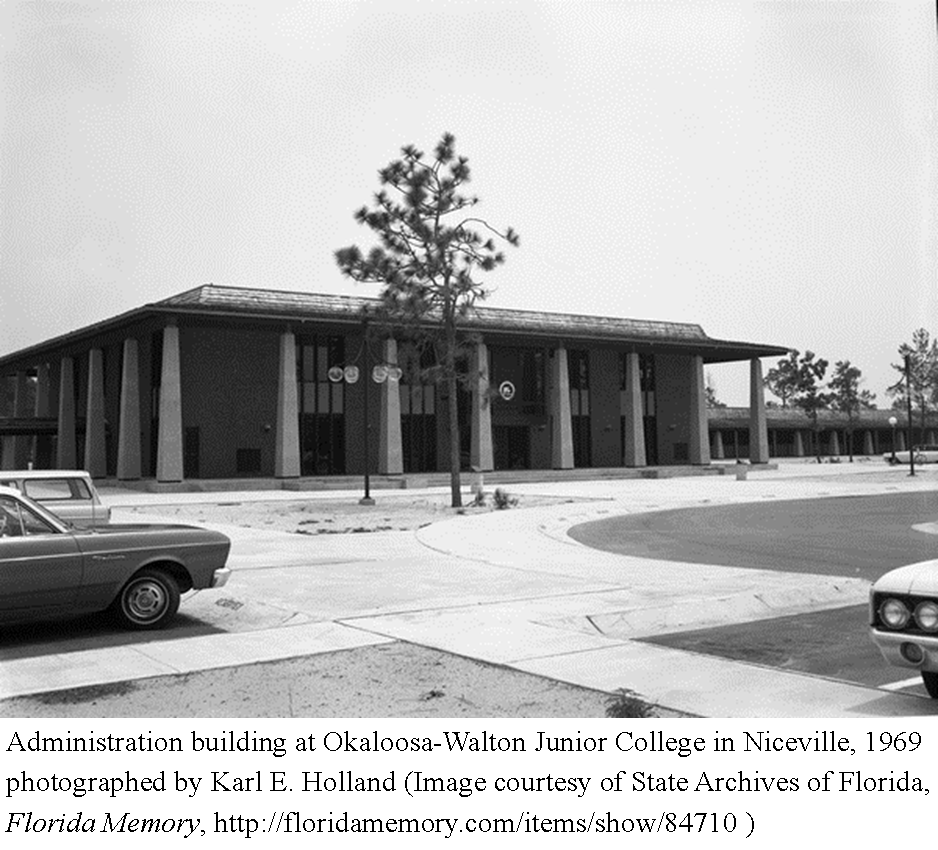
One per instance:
[(923, 375), (807, 394), (782, 380), (712, 401), (847, 397), (430, 252)]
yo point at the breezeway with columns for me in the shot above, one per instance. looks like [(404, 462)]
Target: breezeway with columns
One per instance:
[(221, 382)]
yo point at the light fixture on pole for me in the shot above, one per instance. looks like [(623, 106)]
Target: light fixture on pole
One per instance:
[(381, 372), (893, 421)]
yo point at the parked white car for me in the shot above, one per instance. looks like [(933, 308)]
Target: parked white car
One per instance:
[(921, 454), (69, 493), (904, 619)]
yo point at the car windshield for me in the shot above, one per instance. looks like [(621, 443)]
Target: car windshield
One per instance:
[(46, 516)]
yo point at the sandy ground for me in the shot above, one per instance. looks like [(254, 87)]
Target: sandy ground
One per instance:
[(390, 680), (339, 516)]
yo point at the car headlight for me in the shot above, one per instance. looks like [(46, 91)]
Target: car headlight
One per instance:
[(926, 615), (894, 614)]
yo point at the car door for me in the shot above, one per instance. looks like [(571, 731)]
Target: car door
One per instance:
[(40, 566)]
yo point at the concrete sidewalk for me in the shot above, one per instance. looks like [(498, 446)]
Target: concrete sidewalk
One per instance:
[(511, 588)]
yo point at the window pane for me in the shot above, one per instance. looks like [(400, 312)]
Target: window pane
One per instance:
[(51, 489), (10, 519), (33, 524), (429, 396), (405, 400), (337, 397), (309, 398), (322, 363), (323, 398), (584, 402)]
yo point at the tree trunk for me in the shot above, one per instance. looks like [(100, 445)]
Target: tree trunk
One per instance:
[(455, 482)]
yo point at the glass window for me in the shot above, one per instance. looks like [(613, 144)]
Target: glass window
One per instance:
[(10, 524), (56, 489), (33, 524)]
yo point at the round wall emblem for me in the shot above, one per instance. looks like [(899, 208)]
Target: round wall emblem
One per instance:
[(506, 389)]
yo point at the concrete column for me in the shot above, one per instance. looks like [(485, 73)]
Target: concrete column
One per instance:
[(128, 439), (66, 455), (287, 444), (560, 422), (834, 444), (169, 440), (758, 430), (95, 455), (716, 445), (390, 447), (634, 424), (799, 444), (868, 448), (699, 446), (481, 454)]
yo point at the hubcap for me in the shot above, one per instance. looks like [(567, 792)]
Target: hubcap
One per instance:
[(145, 601)]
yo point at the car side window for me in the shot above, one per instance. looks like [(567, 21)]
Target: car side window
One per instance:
[(33, 524), (56, 489), (10, 523), (19, 521)]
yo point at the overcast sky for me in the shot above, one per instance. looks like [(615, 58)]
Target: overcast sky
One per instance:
[(764, 169)]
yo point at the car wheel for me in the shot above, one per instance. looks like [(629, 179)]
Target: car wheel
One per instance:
[(148, 601), (931, 683)]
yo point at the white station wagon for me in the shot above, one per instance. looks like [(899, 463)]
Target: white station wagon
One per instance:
[(904, 619), (69, 493)]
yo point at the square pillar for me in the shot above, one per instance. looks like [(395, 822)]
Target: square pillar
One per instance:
[(95, 457), (169, 439), (698, 449), (716, 445), (287, 446), (390, 447), (561, 425), (634, 416), (758, 429), (128, 439), (66, 455), (482, 456)]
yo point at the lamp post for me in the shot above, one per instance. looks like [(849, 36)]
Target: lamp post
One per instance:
[(893, 421), (380, 373), (908, 407)]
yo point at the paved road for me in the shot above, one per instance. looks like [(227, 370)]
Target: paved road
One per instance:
[(857, 536)]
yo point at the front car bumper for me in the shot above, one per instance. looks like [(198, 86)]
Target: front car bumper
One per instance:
[(891, 646), (220, 577)]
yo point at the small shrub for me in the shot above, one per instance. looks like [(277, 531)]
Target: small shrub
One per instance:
[(626, 703), (503, 501), (479, 500)]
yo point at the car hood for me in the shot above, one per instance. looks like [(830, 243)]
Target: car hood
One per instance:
[(919, 579), (180, 531)]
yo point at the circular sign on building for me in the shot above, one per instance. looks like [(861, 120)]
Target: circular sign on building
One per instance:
[(351, 374), (506, 389), (379, 374), (336, 374)]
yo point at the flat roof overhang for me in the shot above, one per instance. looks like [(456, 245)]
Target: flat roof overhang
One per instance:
[(547, 328)]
